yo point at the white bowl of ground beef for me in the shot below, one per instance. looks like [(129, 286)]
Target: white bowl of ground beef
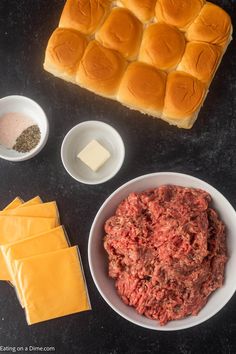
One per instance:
[(164, 265)]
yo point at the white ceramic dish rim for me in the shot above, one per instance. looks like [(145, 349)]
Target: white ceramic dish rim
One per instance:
[(42, 143), (122, 314), (115, 171)]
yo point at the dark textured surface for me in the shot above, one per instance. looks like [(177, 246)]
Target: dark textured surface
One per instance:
[(208, 151)]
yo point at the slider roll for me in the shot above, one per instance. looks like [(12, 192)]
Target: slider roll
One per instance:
[(201, 60), (213, 25), (100, 70), (64, 52), (143, 88), (179, 13), (83, 15), (121, 31), (162, 46), (183, 99), (144, 10)]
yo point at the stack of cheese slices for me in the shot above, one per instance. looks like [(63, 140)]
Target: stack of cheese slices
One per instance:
[(37, 259), (155, 56)]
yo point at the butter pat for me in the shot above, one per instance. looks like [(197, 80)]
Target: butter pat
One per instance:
[(94, 155)]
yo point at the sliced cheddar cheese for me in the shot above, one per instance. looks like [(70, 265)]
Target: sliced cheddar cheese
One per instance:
[(33, 201), (52, 285), (48, 241), (14, 228), (4, 274), (19, 203), (14, 204), (43, 210)]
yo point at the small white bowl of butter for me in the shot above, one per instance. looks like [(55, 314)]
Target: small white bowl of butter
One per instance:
[(92, 152)]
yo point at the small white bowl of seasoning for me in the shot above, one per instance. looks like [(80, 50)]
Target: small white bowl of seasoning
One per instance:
[(24, 128), (92, 152)]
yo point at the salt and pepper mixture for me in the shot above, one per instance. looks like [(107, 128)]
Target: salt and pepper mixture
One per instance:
[(19, 132), (28, 139)]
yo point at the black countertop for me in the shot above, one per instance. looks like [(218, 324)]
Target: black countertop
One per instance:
[(207, 151)]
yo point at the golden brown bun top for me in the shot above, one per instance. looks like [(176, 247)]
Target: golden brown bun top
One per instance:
[(162, 46), (144, 10), (65, 49), (179, 13), (100, 69), (200, 60), (121, 31), (143, 86), (98, 62), (184, 95), (84, 15), (212, 25)]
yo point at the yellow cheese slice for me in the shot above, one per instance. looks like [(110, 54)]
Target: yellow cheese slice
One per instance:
[(52, 285), (14, 204), (19, 203), (43, 210), (4, 274), (48, 241), (14, 228), (33, 201)]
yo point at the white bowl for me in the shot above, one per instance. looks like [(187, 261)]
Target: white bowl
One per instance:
[(78, 137), (24, 105), (98, 258)]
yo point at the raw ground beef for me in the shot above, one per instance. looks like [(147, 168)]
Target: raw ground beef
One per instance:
[(167, 251)]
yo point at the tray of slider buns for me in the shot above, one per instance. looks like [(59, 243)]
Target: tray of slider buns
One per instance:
[(155, 56)]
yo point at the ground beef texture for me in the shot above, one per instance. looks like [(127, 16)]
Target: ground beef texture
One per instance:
[(166, 251)]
